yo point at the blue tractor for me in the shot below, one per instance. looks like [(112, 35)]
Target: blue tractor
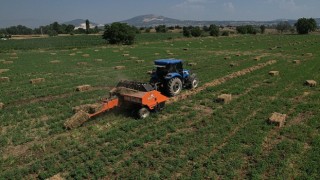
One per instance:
[(169, 77)]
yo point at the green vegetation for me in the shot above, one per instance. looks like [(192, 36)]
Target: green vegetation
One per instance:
[(304, 25), (119, 33), (196, 138)]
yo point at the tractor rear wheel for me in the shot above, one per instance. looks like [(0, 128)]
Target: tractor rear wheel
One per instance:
[(143, 113), (174, 87)]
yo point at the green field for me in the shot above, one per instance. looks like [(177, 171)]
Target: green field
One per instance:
[(193, 138)]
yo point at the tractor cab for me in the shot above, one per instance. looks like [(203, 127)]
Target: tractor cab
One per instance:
[(167, 68), (170, 77)]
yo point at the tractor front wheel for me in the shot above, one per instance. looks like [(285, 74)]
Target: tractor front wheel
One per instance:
[(194, 83), (174, 87), (143, 113)]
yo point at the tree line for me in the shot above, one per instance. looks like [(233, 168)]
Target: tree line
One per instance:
[(53, 29)]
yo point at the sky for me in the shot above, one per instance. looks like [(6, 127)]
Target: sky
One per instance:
[(33, 13)]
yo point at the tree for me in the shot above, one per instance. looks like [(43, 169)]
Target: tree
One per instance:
[(196, 32), (119, 33), (186, 31), (304, 25), (214, 30), (69, 28), (283, 26), (262, 29), (87, 26), (161, 29)]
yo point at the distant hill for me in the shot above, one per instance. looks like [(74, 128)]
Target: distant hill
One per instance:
[(154, 20)]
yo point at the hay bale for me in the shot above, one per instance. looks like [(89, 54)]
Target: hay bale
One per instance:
[(72, 54), (55, 62), (257, 58), (96, 50), (86, 55), (157, 54), (278, 119), (149, 72), (89, 108), (307, 54), (311, 83), (1, 105), (14, 54), (170, 54), (7, 62), (4, 79), (125, 55), (37, 80), (119, 67), (53, 54), (82, 63), (115, 51), (274, 73), (56, 177), (233, 64), (227, 57), (82, 88), (76, 120), (79, 52), (224, 98), (98, 60), (133, 58), (296, 61), (238, 55), (139, 61), (192, 64), (3, 70)]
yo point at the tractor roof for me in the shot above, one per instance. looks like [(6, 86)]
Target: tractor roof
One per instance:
[(167, 61)]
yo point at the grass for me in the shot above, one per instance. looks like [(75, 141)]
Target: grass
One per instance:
[(192, 138)]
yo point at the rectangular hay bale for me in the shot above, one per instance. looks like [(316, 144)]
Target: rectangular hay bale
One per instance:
[(3, 70), (119, 67), (83, 88), (274, 73), (1, 105), (311, 83), (278, 119), (4, 79), (77, 120), (37, 80), (224, 98)]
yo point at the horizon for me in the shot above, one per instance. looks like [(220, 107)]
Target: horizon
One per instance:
[(46, 12)]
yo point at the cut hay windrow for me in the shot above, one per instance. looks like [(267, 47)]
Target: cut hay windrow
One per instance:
[(7, 62), (219, 81)]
